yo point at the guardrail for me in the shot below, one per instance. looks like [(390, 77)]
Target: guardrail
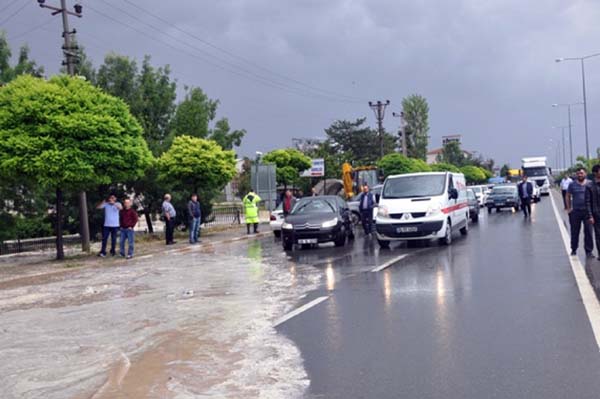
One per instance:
[(35, 244), (224, 215)]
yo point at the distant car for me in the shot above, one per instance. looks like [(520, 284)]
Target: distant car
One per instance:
[(473, 205), (354, 203), (503, 196), (276, 220), (480, 193), (316, 220)]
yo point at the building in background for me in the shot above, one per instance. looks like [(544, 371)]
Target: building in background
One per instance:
[(306, 144), (453, 138)]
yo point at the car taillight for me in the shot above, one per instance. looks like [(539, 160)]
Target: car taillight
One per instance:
[(273, 218)]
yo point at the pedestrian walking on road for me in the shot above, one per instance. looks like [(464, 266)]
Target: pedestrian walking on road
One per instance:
[(564, 186), (111, 223), (194, 216), (128, 218), (168, 212), (250, 202), (365, 208), (592, 201), (526, 194), (578, 213), (289, 201)]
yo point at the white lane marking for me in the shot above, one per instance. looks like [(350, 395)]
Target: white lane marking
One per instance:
[(388, 263), (301, 309), (590, 301)]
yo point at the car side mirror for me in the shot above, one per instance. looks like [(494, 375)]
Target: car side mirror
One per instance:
[(377, 197), (453, 193)]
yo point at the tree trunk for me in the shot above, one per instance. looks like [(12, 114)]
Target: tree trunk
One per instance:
[(147, 214), (60, 253)]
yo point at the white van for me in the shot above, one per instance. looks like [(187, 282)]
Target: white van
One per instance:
[(420, 206)]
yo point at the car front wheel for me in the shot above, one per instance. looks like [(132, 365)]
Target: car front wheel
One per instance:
[(384, 243), (288, 246), (447, 239)]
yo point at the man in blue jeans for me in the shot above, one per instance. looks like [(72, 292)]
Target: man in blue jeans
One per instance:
[(111, 223), (128, 218), (194, 216)]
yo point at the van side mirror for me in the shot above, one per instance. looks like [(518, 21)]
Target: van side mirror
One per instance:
[(453, 193)]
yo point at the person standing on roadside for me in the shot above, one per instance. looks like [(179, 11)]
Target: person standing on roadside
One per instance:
[(289, 201), (128, 218), (525, 193), (592, 201), (578, 213), (250, 202), (194, 216), (111, 223), (564, 186), (365, 208), (313, 192), (168, 212)]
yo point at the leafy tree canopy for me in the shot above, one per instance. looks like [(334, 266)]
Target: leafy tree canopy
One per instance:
[(289, 162), (474, 174), (444, 167), (396, 164), (416, 116), (24, 66), (452, 154)]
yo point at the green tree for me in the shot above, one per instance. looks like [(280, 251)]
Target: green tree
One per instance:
[(504, 170), (473, 174), (290, 163), (66, 135), (117, 76), (194, 115), (444, 167), (397, 164), (416, 115), (195, 165), (24, 66), (352, 142), (452, 154)]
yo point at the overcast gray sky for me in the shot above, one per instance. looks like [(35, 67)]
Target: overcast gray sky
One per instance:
[(284, 69)]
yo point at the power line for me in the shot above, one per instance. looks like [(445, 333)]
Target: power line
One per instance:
[(14, 13), (243, 59), (244, 73), (33, 29)]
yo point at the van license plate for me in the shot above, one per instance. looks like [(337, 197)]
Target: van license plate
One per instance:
[(411, 229), (308, 241)]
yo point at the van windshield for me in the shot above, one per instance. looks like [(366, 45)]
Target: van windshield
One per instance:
[(536, 171), (414, 186)]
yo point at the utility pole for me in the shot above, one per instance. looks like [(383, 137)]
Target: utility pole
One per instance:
[(71, 58), (379, 110), (402, 132)]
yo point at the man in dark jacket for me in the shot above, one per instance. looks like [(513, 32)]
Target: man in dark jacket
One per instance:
[(578, 213), (526, 194), (194, 216), (365, 207), (592, 201), (128, 218)]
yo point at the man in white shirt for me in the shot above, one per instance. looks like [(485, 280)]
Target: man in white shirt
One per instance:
[(564, 186)]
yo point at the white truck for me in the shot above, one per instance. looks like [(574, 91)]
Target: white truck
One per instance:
[(538, 172)]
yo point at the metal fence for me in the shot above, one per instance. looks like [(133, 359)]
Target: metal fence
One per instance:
[(35, 244), (224, 215)]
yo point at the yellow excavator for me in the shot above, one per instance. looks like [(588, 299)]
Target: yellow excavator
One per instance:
[(354, 178)]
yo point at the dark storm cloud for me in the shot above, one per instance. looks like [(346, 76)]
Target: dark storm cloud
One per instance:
[(486, 67)]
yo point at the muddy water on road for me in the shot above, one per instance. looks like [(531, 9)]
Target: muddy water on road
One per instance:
[(184, 325)]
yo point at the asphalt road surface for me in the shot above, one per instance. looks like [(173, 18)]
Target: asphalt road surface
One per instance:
[(499, 314), (496, 315)]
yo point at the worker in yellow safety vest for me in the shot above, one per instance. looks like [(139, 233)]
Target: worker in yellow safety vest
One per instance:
[(250, 202)]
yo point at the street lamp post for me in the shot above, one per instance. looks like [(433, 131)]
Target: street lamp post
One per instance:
[(564, 152), (585, 120), (569, 105)]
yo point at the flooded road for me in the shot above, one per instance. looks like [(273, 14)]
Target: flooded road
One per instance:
[(189, 324)]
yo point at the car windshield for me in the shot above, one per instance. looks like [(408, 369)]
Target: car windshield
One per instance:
[(504, 190), (470, 194), (535, 171), (476, 189), (415, 186), (314, 205)]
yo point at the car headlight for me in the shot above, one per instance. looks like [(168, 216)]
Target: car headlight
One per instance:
[(434, 210), (383, 211), (330, 223), (287, 226)]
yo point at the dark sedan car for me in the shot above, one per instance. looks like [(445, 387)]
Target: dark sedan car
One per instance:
[(316, 220), (473, 205), (503, 196)]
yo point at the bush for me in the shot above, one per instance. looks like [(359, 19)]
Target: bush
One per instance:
[(473, 174), (397, 164), (444, 167)]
